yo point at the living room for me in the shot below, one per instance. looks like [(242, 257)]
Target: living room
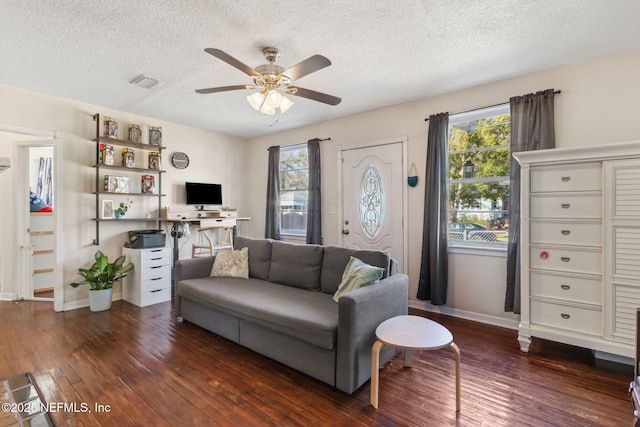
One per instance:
[(597, 106)]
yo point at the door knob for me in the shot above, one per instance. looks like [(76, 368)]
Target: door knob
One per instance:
[(345, 232)]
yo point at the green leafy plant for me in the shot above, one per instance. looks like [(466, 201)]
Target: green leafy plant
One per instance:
[(103, 274), (124, 207)]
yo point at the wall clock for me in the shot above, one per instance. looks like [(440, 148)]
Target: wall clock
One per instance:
[(180, 160)]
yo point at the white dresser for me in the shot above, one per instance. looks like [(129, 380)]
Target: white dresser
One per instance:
[(580, 246), (150, 280)]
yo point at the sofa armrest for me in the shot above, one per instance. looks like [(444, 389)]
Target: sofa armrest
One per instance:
[(189, 268), (359, 314), (193, 268)]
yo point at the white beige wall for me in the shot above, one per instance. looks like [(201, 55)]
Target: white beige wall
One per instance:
[(214, 158), (598, 105)]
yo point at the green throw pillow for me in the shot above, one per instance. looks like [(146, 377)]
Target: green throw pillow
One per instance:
[(231, 264), (356, 275)]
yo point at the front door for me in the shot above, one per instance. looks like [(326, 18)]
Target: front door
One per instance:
[(373, 199)]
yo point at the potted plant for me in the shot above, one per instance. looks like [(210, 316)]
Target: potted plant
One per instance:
[(101, 277), (123, 207)]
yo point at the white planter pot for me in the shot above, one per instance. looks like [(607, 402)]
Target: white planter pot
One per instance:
[(100, 300)]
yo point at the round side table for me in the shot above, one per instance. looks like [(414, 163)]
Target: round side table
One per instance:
[(411, 333)]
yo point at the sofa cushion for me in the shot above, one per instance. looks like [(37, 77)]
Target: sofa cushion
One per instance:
[(231, 264), (259, 255), (357, 274), (309, 316), (296, 265), (336, 258)]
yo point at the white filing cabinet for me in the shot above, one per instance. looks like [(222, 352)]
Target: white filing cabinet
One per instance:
[(580, 246), (150, 280)]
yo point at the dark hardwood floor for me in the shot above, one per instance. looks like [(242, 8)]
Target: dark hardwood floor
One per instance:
[(146, 369)]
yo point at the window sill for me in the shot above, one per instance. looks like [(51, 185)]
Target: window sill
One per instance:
[(481, 251)]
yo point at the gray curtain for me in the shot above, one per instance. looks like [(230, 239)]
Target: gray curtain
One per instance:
[(272, 221), (532, 128), (434, 269), (314, 204)]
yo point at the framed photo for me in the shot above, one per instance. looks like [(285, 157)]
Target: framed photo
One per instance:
[(107, 209)]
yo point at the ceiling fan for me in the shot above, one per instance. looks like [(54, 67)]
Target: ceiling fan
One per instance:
[(271, 79)]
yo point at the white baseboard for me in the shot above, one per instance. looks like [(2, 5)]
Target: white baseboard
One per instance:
[(468, 315), (6, 296)]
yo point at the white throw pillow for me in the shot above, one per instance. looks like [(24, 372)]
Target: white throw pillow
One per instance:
[(231, 264)]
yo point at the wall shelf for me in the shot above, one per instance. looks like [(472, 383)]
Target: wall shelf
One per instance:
[(99, 179)]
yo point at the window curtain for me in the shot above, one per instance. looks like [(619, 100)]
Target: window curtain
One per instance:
[(272, 219), (44, 188), (434, 269), (532, 128), (314, 204)]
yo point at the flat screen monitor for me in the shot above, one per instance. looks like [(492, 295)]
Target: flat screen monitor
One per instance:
[(199, 193)]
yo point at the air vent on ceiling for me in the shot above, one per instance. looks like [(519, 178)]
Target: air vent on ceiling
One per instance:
[(145, 81)]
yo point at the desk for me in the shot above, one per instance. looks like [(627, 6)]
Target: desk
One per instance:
[(204, 222), (411, 333)]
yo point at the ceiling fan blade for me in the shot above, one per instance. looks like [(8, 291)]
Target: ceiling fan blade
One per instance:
[(306, 67), (232, 61), (313, 95), (224, 88)]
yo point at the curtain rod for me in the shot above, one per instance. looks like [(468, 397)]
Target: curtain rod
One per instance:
[(489, 106), (298, 143)]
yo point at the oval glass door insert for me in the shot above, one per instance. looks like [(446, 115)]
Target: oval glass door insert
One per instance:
[(371, 201)]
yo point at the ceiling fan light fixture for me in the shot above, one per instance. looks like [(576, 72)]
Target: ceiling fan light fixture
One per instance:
[(256, 100), (286, 104), (267, 109), (274, 98)]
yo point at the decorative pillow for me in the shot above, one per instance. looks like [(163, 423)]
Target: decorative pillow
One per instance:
[(36, 204), (231, 264), (356, 275)]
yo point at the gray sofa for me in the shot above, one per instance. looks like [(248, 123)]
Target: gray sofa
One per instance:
[(285, 310)]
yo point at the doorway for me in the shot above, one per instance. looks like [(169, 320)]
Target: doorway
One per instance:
[(374, 198), (33, 251)]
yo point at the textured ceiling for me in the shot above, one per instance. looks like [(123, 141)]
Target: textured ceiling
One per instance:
[(383, 52)]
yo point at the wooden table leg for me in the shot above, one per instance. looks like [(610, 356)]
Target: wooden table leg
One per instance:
[(375, 374), (408, 358), (456, 350)]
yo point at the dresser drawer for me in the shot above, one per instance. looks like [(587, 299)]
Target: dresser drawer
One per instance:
[(155, 297), (565, 259), (155, 255), (150, 273), (567, 178), (218, 222), (155, 284), (566, 288), (566, 206), (566, 317), (566, 233)]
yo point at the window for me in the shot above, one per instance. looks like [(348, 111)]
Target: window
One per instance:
[(294, 189), (478, 177)]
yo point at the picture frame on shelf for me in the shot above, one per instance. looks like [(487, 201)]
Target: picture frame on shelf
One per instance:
[(107, 210)]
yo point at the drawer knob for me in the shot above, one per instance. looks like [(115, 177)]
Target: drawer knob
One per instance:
[(565, 178), (565, 316), (565, 205), (565, 287), (565, 258), (565, 232)]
